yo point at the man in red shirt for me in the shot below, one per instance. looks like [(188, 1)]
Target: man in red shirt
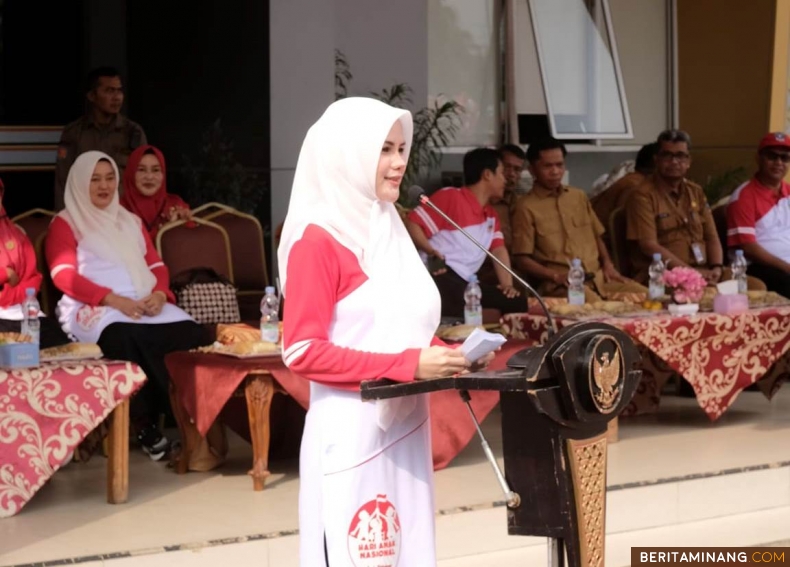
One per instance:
[(438, 240), (758, 215)]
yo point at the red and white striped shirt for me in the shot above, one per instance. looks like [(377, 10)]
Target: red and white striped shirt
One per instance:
[(757, 213), (482, 223)]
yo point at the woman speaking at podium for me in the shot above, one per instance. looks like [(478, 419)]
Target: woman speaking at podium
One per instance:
[(360, 305)]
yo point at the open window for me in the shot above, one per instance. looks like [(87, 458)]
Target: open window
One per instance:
[(582, 81)]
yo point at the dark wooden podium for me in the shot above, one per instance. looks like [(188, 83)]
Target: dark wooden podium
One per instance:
[(556, 400)]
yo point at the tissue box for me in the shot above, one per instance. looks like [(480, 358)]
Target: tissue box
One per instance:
[(731, 304), (18, 355)]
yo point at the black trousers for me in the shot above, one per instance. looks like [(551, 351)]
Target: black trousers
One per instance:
[(773, 278), (51, 333), (452, 286), (146, 345)]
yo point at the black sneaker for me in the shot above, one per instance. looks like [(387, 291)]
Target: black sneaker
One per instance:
[(154, 444)]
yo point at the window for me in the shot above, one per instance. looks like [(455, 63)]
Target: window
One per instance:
[(581, 74), (463, 64)]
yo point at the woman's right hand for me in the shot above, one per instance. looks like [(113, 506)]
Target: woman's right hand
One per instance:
[(440, 362), (129, 307), (13, 278)]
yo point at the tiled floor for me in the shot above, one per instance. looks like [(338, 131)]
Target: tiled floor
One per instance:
[(69, 517)]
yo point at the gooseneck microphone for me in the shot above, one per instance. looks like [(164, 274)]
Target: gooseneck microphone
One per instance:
[(416, 193)]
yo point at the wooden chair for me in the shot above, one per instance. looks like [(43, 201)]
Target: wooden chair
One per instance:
[(720, 220), (35, 224), (619, 242), (184, 245), (209, 208), (50, 294), (248, 257)]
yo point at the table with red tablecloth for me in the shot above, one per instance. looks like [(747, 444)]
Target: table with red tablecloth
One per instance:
[(47, 411), (719, 355), (203, 383)]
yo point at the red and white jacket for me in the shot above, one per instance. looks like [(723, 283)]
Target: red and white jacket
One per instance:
[(758, 214), (482, 223), (86, 279), (61, 252), (326, 314)]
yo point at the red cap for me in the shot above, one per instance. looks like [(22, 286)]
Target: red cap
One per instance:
[(774, 140)]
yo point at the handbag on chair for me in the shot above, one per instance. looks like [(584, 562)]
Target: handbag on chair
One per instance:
[(207, 296)]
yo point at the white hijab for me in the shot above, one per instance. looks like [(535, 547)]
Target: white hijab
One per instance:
[(113, 234), (335, 188)]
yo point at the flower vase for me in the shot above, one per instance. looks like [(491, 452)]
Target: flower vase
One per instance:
[(683, 308)]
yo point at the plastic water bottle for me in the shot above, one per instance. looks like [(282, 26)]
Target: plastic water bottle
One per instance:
[(31, 326), (270, 321), (473, 307), (576, 283), (739, 270), (656, 287)]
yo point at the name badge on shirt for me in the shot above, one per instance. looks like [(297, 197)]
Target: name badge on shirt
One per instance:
[(696, 249)]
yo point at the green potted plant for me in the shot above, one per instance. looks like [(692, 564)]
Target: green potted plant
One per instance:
[(721, 186), (216, 175)]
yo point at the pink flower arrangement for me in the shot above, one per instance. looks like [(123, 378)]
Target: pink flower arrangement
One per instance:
[(687, 284)]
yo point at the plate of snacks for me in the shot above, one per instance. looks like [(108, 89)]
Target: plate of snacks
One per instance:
[(14, 338), (243, 349), (597, 309), (71, 351), (459, 333)]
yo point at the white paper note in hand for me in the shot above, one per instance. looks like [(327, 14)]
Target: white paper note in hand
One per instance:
[(479, 343)]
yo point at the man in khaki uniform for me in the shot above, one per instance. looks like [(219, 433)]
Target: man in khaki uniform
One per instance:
[(611, 199), (670, 215), (513, 159), (554, 223), (102, 128)]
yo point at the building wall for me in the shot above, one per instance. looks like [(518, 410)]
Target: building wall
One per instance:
[(725, 50), (105, 36), (302, 42), (385, 43), (641, 31), (780, 91)]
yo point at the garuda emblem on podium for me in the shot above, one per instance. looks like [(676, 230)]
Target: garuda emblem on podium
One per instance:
[(606, 382)]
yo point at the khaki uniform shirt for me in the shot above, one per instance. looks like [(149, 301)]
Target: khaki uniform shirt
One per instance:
[(675, 221), (504, 209), (117, 139), (555, 228), (604, 204)]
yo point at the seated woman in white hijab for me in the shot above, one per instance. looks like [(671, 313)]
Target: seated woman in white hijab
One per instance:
[(360, 306), (116, 288)]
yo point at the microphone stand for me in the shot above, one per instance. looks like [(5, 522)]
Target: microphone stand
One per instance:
[(512, 499), (552, 325)]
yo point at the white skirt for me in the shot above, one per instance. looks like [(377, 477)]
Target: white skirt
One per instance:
[(366, 488), (85, 322)]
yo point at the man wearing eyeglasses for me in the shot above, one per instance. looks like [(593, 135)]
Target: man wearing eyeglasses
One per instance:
[(758, 215), (513, 158), (670, 215)]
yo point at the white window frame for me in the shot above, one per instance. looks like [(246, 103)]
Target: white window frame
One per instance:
[(629, 130)]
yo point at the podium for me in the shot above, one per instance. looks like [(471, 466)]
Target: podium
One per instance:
[(556, 401)]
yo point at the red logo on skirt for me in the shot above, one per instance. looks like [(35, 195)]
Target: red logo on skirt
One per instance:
[(88, 316), (374, 535)]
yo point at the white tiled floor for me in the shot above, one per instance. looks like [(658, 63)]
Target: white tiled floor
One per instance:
[(69, 517)]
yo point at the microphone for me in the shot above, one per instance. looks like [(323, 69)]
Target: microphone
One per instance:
[(417, 194)]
